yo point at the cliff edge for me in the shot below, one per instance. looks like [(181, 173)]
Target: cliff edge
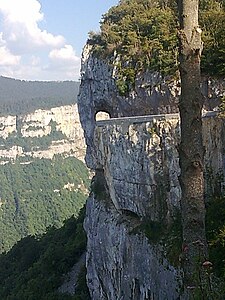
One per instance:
[(134, 242)]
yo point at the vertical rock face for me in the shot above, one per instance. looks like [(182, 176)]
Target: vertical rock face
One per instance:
[(214, 142), (121, 264), (140, 162), (152, 94), (7, 126), (38, 123), (136, 192)]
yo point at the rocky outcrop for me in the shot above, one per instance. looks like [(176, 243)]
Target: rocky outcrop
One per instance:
[(214, 142), (152, 94), (139, 162), (137, 170), (139, 156), (15, 131), (70, 283), (38, 123), (7, 126)]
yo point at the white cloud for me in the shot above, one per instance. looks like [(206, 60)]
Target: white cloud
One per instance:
[(64, 60), (64, 56), (7, 58), (20, 27), (34, 69), (29, 52), (35, 60)]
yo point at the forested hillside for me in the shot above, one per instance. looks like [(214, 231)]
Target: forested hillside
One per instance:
[(21, 97), (37, 194), (34, 267)]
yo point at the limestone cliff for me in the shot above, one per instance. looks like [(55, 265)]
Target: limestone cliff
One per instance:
[(137, 170), (58, 127), (152, 94)]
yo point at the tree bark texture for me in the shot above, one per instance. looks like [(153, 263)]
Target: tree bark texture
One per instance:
[(191, 147)]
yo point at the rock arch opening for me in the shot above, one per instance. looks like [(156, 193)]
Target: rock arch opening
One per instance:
[(102, 115)]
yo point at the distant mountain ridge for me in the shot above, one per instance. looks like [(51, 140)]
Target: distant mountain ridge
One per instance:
[(20, 96)]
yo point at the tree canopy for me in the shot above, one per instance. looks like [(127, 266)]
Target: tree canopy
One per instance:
[(143, 34), (34, 267), (38, 193)]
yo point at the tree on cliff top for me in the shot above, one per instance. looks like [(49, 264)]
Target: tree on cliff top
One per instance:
[(143, 34), (191, 150)]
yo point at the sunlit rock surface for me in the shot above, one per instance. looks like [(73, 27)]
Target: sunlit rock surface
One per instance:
[(39, 124), (152, 94), (137, 178)]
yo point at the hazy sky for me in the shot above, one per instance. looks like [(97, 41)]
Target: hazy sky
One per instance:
[(43, 39)]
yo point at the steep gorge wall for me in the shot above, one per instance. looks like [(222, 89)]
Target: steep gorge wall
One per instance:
[(139, 156), (140, 162), (137, 170), (122, 264), (152, 94), (140, 166)]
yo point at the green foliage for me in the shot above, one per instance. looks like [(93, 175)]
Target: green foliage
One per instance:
[(98, 186), (152, 230), (34, 267), (215, 225), (33, 196), (82, 292), (212, 20), (21, 97), (169, 236), (143, 36)]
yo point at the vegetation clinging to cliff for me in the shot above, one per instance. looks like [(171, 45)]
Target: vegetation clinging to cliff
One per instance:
[(143, 35), (212, 20), (215, 224)]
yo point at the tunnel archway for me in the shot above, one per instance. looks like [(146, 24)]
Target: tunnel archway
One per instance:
[(102, 115)]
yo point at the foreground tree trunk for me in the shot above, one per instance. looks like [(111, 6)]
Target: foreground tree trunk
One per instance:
[(191, 148)]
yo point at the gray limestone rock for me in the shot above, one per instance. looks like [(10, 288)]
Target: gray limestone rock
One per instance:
[(123, 265), (152, 94), (137, 178)]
